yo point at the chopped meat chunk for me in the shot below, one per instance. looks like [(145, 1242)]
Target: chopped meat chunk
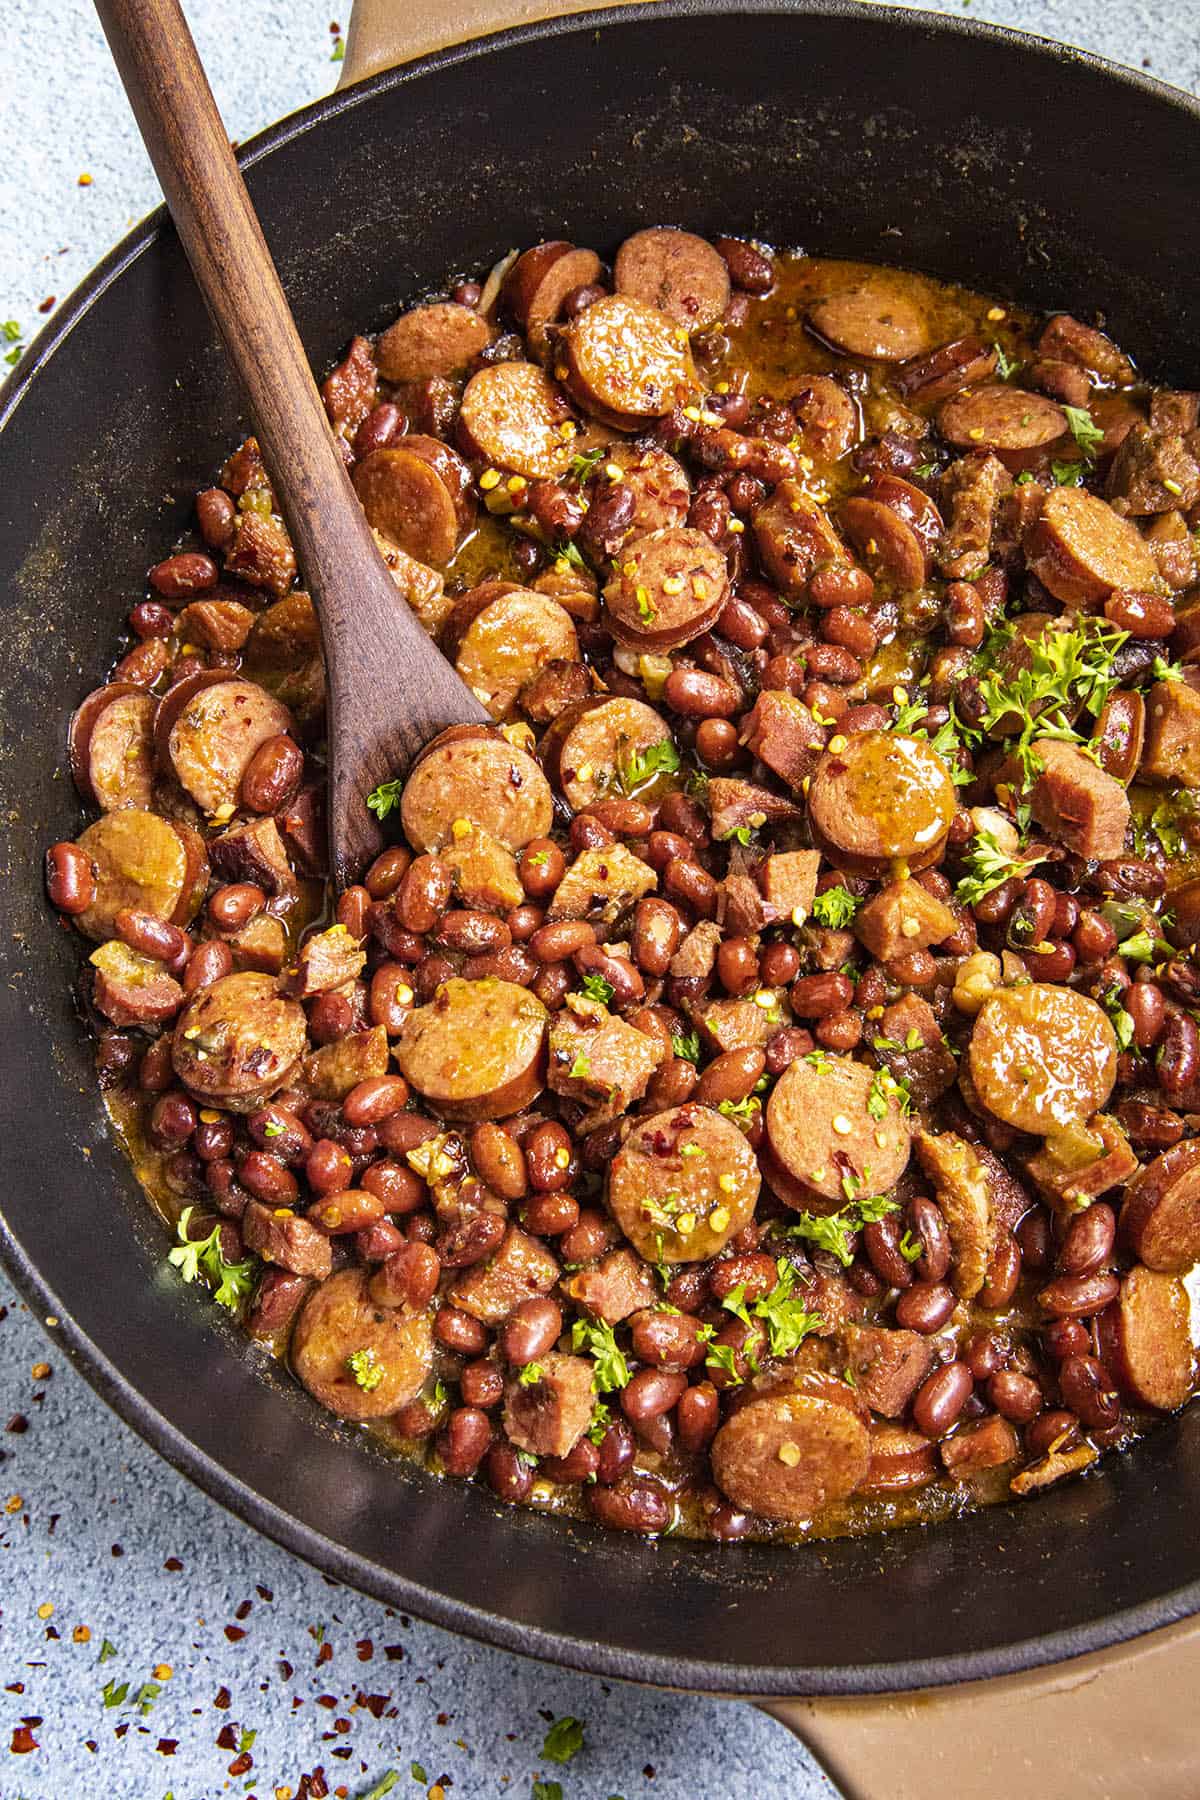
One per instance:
[(521, 1269), (962, 1193), (903, 916), (782, 733), (601, 884), (548, 1407), (253, 852), (1172, 752), (1069, 1177), (1088, 348), (330, 1073), (789, 882), (887, 1366), (326, 960), (989, 1444), (1078, 803), (696, 956), (972, 491), (1152, 472), (599, 1059), (619, 1285), (282, 1237), (740, 806)]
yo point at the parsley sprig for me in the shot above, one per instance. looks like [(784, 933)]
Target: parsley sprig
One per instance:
[(563, 1740), (782, 1311), (835, 908), (833, 1231), (231, 1282), (643, 765), (596, 988), (597, 1337), (1084, 429), (988, 867), (383, 799), (1068, 672)]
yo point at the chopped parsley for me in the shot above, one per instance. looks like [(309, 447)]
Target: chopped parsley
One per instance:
[(819, 1060), (580, 1069), (1006, 368), (1111, 999), (737, 834), (925, 470), (724, 1357), (531, 1374), (563, 1740), (366, 1369), (583, 463), (384, 799), (596, 988), (568, 552), (886, 1087), (1084, 429), (742, 1112), (987, 868), (597, 1337), (644, 765), (600, 1421), (1067, 474), (107, 1652), (10, 332), (231, 1281), (1068, 671), (114, 1695), (833, 1231), (782, 1311), (911, 1248), (687, 1045), (386, 1783), (835, 908), (546, 1790)]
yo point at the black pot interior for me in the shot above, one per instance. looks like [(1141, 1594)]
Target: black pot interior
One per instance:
[(901, 137)]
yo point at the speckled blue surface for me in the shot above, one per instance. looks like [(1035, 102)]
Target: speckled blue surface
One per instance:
[(104, 1551)]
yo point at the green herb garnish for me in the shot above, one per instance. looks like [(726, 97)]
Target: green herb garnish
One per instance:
[(835, 908), (385, 798), (232, 1281), (563, 1740)]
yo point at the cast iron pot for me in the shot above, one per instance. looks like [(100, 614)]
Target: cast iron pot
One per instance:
[(975, 154)]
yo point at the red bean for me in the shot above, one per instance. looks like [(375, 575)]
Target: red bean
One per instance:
[(985, 1353), (354, 910), (940, 1399), (1065, 1337), (1088, 1390), (1079, 1296), (1179, 1057), (698, 695), (153, 937), (327, 1167), (1089, 1241), (423, 894), (650, 1393), (1002, 1277), (464, 1443), (70, 879), (1049, 1429), (216, 515), (687, 881), (172, 1121), (182, 576), (268, 1178), (548, 1157), (551, 1215), (541, 868), (698, 1414), (924, 1307), (509, 1475), (235, 904), (633, 1504), (458, 1331), (273, 775), (817, 996), (531, 1330), (1141, 615), (881, 1240), (928, 1227), (557, 943), (1015, 1396), (209, 962)]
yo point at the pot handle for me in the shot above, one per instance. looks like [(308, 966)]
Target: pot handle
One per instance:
[(383, 33), (1117, 1725)]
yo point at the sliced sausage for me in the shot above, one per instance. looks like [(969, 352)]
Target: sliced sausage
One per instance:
[(895, 528), (1002, 419), (667, 587), (1172, 751), (441, 339), (479, 777), (795, 538), (143, 861), (900, 1459), (883, 799), (449, 466), (360, 1360), (963, 1193), (132, 989), (982, 1444), (789, 1454), (406, 499), (963, 362), (660, 487), (682, 1184), (600, 739), (477, 1050), (876, 318), (826, 417), (675, 271), (508, 642), (214, 736), (1081, 550), (1071, 341), (1146, 1341), (521, 1269), (1077, 802), (514, 417), (624, 361), (112, 747), (782, 733), (1042, 1057), (538, 283), (825, 1144), (1160, 1217), (549, 1415), (237, 1041)]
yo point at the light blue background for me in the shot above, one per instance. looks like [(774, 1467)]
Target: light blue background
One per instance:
[(99, 1515)]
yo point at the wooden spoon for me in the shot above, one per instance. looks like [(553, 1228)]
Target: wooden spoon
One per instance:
[(389, 690)]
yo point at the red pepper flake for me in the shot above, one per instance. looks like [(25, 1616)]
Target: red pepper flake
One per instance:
[(223, 1698), (91, 1744), (47, 304), (285, 1668), (23, 1741), (244, 1610), (17, 1424), (117, 1550), (227, 1738), (15, 1687), (394, 1652), (234, 1633), (444, 1718), (328, 1700), (365, 1649), (168, 1746), (342, 1726), (241, 1765), (324, 1654), (173, 1565), (120, 1731), (264, 1593), (313, 1787), (374, 1703)]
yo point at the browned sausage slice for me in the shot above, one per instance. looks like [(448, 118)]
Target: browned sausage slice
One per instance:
[(682, 1184), (661, 490), (876, 319), (1172, 750), (788, 1455), (450, 467), (1160, 1218), (1002, 419), (824, 1138), (237, 1041), (795, 538), (623, 361), (1042, 1057), (514, 417), (477, 1050), (1146, 1340), (900, 1459), (667, 587), (143, 861), (431, 340), (1081, 550), (214, 737), (895, 528), (601, 741), (827, 418), (959, 364), (679, 273), (132, 989), (360, 1360), (112, 748), (540, 281), (405, 498), (1077, 802), (481, 778), (881, 800), (508, 641)]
